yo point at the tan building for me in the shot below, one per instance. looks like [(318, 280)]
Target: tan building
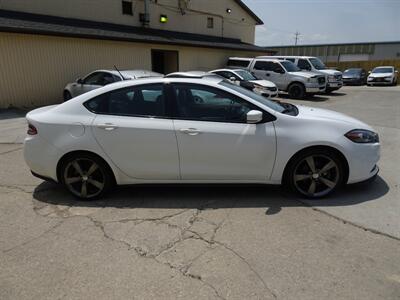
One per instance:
[(46, 43)]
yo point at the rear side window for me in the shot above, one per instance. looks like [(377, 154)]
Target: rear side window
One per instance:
[(238, 63), (303, 64), (142, 101), (264, 65)]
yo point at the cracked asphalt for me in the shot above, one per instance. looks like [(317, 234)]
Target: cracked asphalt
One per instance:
[(201, 242)]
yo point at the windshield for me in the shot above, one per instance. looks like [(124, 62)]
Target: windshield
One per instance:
[(246, 75), (382, 70), (351, 71), (289, 66), (317, 63), (264, 101)]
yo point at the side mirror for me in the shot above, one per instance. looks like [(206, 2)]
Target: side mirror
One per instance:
[(369, 72), (79, 80), (279, 71), (254, 116), (232, 79)]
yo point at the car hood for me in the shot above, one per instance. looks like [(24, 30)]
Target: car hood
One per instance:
[(305, 74), (330, 72), (351, 76), (380, 75), (264, 83), (325, 114)]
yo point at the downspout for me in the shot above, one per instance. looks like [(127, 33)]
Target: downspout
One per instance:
[(146, 19)]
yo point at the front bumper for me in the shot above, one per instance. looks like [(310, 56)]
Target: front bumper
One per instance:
[(363, 161), (313, 88), (380, 81), (335, 85)]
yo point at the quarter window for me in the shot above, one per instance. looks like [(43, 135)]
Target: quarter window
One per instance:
[(203, 103), (142, 101)]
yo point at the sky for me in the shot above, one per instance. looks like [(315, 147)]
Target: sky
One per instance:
[(326, 21)]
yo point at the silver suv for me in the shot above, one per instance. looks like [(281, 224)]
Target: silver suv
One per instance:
[(287, 76)]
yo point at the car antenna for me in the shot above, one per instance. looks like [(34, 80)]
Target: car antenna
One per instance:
[(122, 76)]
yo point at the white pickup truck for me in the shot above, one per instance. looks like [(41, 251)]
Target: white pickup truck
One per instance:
[(314, 64), (286, 75)]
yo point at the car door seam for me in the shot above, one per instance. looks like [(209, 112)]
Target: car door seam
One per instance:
[(177, 147)]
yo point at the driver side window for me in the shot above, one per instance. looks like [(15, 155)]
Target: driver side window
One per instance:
[(203, 103)]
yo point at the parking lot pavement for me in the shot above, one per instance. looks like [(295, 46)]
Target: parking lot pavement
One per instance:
[(204, 242)]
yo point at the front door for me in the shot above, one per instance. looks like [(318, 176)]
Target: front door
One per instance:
[(132, 129), (215, 142)]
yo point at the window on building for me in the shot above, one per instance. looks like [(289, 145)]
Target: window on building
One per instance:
[(127, 8), (210, 22)]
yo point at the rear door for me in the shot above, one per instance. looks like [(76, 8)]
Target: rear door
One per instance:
[(215, 141), (133, 128), (267, 70)]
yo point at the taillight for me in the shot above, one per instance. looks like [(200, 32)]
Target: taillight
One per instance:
[(32, 130)]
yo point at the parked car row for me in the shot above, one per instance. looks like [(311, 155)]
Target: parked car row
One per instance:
[(296, 75), (384, 75)]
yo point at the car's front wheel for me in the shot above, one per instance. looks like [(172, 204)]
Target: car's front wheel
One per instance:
[(297, 91), (86, 176), (315, 173)]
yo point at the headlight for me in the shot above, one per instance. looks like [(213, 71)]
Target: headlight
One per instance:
[(331, 78), (258, 88), (362, 136), (388, 77)]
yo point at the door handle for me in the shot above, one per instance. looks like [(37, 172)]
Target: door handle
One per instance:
[(107, 126), (190, 131)]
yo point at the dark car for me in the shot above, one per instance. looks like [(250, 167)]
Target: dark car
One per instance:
[(356, 76)]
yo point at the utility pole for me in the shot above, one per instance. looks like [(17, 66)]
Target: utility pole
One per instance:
[(296, 38)]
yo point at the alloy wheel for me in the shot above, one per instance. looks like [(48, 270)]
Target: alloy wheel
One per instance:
[(84, 178), (316, 175)]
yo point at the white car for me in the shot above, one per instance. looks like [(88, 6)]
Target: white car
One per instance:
[(100, 78), (247, 80), (190, 130), (383, 76)]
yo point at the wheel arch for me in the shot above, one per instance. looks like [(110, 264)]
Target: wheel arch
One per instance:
[(319, 147), (70, 154)]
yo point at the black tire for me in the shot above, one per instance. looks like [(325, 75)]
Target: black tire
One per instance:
[(328, 91), (67, 96), (394, 82), (300, 179), (86, 176), (297, 91)]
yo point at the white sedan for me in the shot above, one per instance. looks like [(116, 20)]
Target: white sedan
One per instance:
[(247, 80), (383, 76), (191, 130)]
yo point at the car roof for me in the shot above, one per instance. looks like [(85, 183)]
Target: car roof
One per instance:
[(241, 58), (228, 70), (285, 56), (132, 74), (192, 74), (384, 67)]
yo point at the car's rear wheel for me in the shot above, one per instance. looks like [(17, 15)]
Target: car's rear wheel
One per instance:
[(86, 176), (315, 173), (297, 91), (67, 96)]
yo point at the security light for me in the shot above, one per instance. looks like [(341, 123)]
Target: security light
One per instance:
[(228, 10), (163, 18)]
